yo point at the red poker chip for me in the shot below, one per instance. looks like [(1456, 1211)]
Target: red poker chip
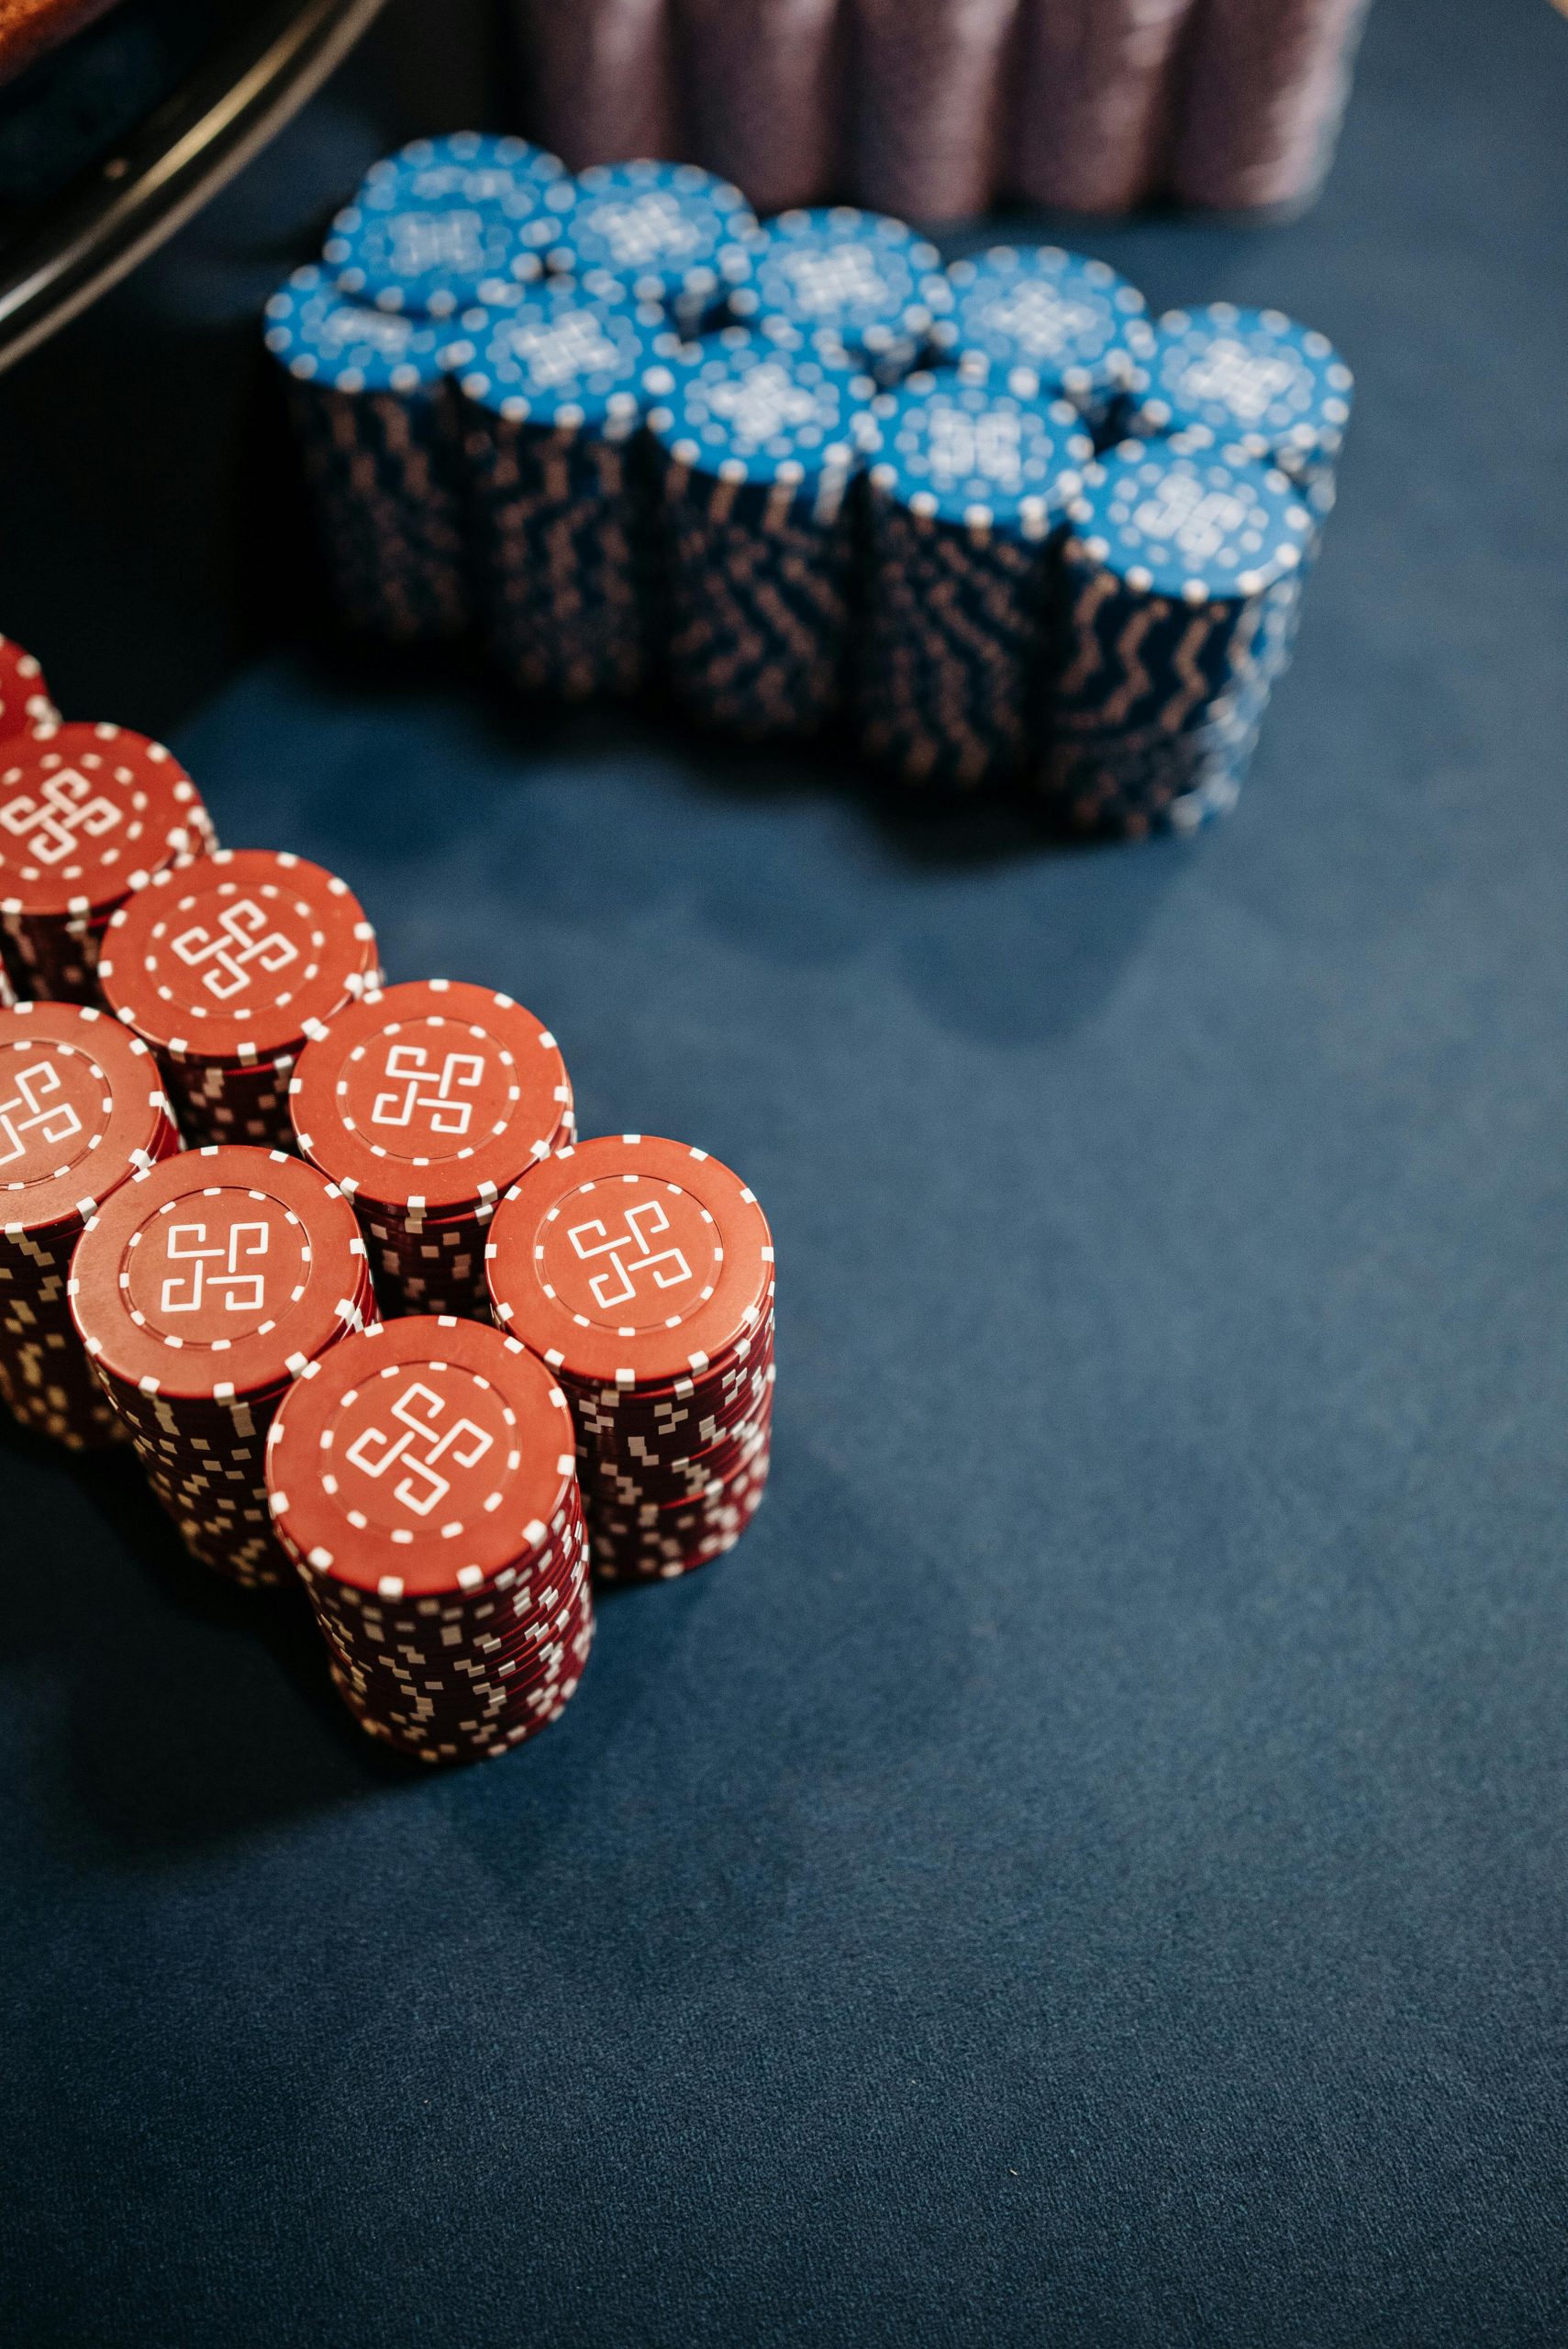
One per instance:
[(232, 957), (24, 695), (221, 1272), (429, 1097), (453, 1660), (81, 1111), (87, 813), (421, 1458), (628, 1258)]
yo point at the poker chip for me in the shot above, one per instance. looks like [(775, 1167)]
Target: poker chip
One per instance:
[(967, 492), (373, 415), (1168, 566), (864, 289), (669, 233), (82, 1111), (640, 1272), (24, 695), (430, 238), (224, 964), (1095, 84), (1075, 323), (87, 814), (1263, 91), (424, 1103), (755, 439), (552, 397), (422, 1475), (489, 164), (202, 1288), (1253, 378)]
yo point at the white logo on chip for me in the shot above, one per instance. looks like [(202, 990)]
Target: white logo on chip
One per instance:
[(416, 1087), (631, 1257), (1246, 382), (69, 810), (31, 1111), (417, 1446), (423, 241), (216, 1269), (646, 229), (1196, 520), (242, 945)]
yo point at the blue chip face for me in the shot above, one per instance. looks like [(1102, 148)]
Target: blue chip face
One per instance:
[(558, 357), (434, 245), (661, 230), (1201, 527), (1253, 376), (322, 338), (855, 277), (979, 457), (1075, 322), (487, 165), (758, 409)]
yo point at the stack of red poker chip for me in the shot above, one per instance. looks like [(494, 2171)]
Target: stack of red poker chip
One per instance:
[(24, 696), (422, 1477), (641, 1271), (82, 1112), (202, 1289), (87, 814), (424, 1103), (224, 964)]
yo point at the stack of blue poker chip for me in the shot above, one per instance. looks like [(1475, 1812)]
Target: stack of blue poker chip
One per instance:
[(372, 413), (864, 288), (1076, 323), (1253, 378), (1157, 694), (756, 441), (1279, 612), (967, 491), (551, 395), (661, 232), (433, 238)]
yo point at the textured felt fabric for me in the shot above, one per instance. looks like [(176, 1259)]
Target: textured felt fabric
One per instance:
[(1091, 1869)]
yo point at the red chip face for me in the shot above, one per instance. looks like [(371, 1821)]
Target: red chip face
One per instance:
[(81, 1109), (628, 1255), (630, 1258), (435, 1092), (233, 956), (420, 1449), (420, 1459), (212, 1270), (86, 813), (221, 1270)]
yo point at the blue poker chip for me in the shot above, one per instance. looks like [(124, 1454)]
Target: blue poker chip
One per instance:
[(978, 456), (322, 338), (485, 163), (1251, 376), (1199, 527), (665, 233), (558, 357), (1078, 324), (857, 280), (758, 409), (445, 239)]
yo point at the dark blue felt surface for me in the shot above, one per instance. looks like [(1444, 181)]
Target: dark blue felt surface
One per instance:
[(1091, 1869)]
